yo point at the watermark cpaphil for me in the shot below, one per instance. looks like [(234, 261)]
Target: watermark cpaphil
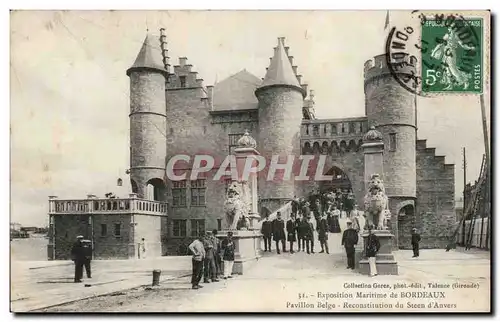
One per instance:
[(450, 47), (277, 168)]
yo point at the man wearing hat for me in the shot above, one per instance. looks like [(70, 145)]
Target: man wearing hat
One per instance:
[(78, 257), (349, 240), (415, 240)]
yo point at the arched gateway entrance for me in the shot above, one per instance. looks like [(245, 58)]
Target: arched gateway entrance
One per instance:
[(341, 186)]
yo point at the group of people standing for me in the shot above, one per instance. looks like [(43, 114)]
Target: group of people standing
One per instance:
[(212, 259)]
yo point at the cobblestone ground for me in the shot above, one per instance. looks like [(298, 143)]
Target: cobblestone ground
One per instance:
[(305, 283)]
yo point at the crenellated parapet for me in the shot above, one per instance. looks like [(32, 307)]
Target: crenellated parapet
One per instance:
[(377, 67)]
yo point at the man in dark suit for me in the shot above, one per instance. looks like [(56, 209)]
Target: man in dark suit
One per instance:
[(415, 240), (308, 233), (267, 232), (291, 230), (279, 232), (78, 257), (87, 250), (349, 241)]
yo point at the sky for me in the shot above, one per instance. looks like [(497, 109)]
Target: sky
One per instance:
[(70, 94)]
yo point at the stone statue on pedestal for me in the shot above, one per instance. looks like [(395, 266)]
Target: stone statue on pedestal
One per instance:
[(235, 209), (376, 204)]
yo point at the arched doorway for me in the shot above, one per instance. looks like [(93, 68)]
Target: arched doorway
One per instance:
[(406, 221), (341, 186), (155, 190)]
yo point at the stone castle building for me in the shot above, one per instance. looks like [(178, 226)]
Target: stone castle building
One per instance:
[(173, 112)]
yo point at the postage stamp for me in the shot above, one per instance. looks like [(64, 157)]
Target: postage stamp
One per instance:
[(452, 55)]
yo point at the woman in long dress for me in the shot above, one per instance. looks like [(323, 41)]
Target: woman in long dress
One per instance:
[(334, 220)]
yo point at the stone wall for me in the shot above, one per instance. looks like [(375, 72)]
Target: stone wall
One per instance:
[(111, 246), (150, 228), (435, 209), (148, 125), (66, 228), (280, 119)]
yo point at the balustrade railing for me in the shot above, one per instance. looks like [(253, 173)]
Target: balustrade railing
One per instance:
[(125, 205)]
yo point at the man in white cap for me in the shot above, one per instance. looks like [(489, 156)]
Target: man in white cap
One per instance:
[(349, 240), (78, 257)]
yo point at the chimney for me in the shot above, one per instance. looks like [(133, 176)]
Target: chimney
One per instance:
[(210, 96), (182, 61)]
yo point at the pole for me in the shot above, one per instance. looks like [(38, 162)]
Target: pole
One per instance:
[(485, 133), (464, 195), (487, 164)]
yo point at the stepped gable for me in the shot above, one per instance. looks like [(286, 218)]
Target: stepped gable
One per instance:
[(236, 92)]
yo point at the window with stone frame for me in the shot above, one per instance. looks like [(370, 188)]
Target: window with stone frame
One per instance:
[(198, 189), (118, 229), (183, 81), (179, 195), (197, 227), (392, 142), (219, 224), (179, 227), (233, 141), (104, 230)]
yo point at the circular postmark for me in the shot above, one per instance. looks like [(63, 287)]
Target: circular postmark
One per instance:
[(444, 56)]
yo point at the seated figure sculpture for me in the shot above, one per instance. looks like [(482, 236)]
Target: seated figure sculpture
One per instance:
[(376, 204), (236, 209)]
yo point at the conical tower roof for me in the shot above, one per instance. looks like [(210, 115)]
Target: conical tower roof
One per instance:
[(149, 56), (280, 71)]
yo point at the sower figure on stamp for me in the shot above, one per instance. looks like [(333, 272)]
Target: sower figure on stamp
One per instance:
[(87, 250), (198, 251), (372, 248), (279, 232), (267, 232), (209, 263), (415, 240), (349, 241), (291, 230), (323, 233), (78, 257)]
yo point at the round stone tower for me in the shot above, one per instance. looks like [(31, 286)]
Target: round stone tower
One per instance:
[(281, 100), (148, 120), (391, 109)]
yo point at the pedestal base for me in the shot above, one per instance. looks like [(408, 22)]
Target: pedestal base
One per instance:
[(248, 248), (385, 262)]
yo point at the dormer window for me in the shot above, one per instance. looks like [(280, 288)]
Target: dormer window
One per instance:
[(183, 81)]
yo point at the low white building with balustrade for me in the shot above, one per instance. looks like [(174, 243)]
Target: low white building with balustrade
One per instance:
[(115, 226)]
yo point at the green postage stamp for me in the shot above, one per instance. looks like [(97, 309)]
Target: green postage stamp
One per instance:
[(452, 55)]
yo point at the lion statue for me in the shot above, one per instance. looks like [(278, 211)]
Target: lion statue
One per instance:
[(376, 204), (235, 209)]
